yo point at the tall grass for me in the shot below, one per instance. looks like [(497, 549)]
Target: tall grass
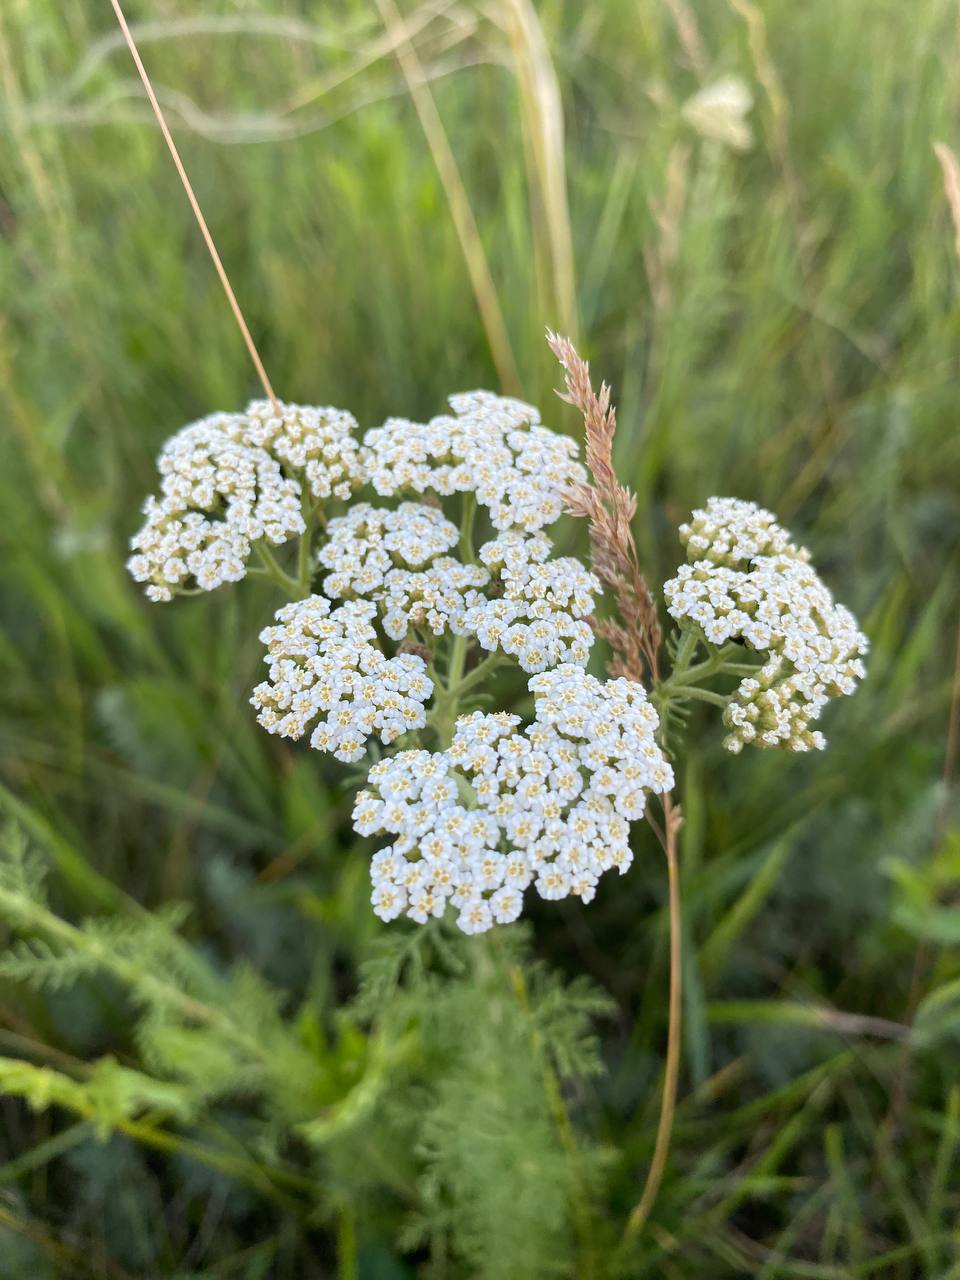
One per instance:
[(779, 322)]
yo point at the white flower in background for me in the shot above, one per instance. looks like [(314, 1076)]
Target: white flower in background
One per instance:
[(366, 543), (474, 826), (750, 583), (318, 441), (718, 111), (218, 496), (326, 671), (494, 447)]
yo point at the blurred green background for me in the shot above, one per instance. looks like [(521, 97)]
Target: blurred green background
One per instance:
[(736, 207)]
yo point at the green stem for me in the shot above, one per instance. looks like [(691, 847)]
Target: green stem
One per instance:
[(40, 1155), (446, 702), (450, 695), (689, 641), (671, 1068), (446, 699), (715, 663), (347, 1261), (479, 672), (313, 515), (684, 682), (466, 529), (282, 579), (458, 660), (303, 563), (263, 1178), (704, 695)]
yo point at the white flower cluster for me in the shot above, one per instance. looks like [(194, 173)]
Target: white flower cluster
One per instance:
[(232, 479), (318, 440), (731, 532), (539, 617), (473, 826), (494, 447), (437, 598), (326, 661), (365, 544), (515, 600), (749, 582), (218, 495)]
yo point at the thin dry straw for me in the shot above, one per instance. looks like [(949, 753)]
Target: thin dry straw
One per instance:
[(197, 211), (951, 186)]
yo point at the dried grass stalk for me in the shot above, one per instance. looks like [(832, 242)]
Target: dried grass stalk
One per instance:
[(197, 211), (951, 187), (634, 635)]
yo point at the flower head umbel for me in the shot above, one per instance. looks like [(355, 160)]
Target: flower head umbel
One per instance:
[(365, 544), (537, 614), (503, 808), (731, 532), (494, 447), (316, 442), (326, 670), (749, 584), (515, 600), (434, 601), (419, 608), (235, 479), (218, 496)]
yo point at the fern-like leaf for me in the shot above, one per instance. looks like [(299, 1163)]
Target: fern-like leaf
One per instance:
[(22, 874), (43, 965)]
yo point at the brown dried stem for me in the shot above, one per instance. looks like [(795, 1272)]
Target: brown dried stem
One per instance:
[(673, 820)]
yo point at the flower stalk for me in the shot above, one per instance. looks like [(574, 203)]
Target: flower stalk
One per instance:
[(671, 1070)]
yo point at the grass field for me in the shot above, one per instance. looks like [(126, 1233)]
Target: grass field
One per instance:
[(773, 290)]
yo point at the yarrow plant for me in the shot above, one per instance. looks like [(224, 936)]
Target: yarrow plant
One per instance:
[(417, 568), (424, 570), (423, 564)]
